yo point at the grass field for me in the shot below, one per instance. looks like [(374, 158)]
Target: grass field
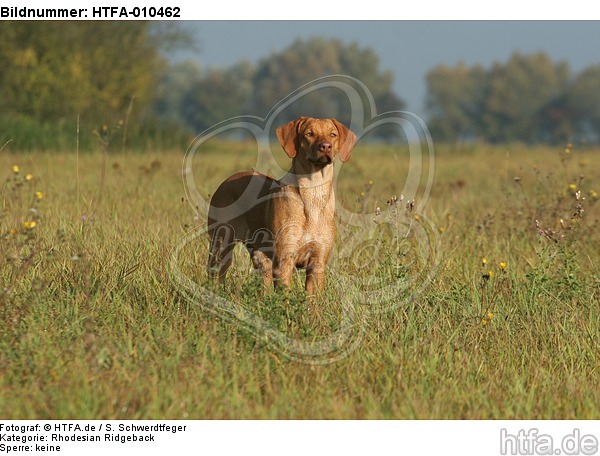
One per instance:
[(94, 324)]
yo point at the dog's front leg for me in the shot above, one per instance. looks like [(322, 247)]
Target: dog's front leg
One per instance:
[(315, 277), (283, 268), (263, 264)]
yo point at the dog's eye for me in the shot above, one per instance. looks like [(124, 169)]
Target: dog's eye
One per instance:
[(333, 134), (309, 133)]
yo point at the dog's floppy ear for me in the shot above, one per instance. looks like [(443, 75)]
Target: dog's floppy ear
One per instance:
[(346, 141), (287, 135)]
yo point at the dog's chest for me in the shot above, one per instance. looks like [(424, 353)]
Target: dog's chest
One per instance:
[(304, 223)]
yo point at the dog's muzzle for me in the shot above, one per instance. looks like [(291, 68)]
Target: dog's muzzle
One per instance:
[(321, 160), (323, 154)]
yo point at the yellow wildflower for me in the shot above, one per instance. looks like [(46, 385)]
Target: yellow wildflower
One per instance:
[(572, 186), (487, 319), (16, 169), (483, 261), (29, 177), (503, 266), (39, 195)]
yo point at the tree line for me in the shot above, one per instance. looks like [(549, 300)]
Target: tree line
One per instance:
[(102, 73), (188, 95), (529, 98), (115, 73)]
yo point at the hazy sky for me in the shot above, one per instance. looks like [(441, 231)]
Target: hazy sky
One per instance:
[(408, 48)]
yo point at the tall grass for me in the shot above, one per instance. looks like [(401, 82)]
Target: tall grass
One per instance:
[(32, 135), (92, 325)]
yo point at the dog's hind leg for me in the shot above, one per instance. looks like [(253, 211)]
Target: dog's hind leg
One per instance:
[(220, 255)]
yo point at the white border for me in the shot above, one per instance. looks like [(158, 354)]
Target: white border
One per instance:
[(302, 438), (345, 10)]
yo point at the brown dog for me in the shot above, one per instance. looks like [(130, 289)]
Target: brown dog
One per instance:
[(287, 223)]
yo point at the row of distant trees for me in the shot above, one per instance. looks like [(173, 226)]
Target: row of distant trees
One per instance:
[(529, 98), (200, 99), (56, 76), (51, 70), (102, 72)]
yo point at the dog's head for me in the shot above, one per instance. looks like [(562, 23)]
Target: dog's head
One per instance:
[(318, 141)]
